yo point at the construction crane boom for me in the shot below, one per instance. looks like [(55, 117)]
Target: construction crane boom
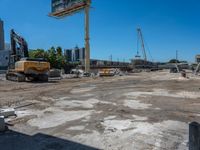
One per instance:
[(140, 37)]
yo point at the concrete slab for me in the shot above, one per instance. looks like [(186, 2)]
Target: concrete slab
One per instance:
[(7, 112)]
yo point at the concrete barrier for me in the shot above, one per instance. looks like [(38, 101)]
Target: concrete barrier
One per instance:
[(2, 124), (194, 136)]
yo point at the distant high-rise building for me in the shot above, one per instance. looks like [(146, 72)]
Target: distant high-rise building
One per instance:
[(2, 47), (82, 54), (68, 54), (75, 55)]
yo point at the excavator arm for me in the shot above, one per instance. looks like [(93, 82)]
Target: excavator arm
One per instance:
[(19, 46)]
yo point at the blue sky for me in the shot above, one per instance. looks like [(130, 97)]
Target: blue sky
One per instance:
[(167, 25)]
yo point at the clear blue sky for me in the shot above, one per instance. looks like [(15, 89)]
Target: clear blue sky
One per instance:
[(167, 25)]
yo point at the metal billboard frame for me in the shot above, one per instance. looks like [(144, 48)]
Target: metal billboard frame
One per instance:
[(72, 10)]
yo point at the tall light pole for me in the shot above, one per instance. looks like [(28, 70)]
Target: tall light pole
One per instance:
[(87, 37)]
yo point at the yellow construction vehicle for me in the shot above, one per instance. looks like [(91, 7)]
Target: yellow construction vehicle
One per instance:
[(108, 72), (21, 67)]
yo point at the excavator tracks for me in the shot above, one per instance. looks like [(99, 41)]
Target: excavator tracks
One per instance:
[(17, 77)]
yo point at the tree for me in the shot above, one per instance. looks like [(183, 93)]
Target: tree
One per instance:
[(52, 57), (61, 62), (59, 51), (38, 53), (60, 58)]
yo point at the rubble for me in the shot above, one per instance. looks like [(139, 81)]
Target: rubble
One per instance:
[(54, 73), (7, 112)]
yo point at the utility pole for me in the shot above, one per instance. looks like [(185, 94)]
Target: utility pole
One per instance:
[(177, 56), (87, 38)]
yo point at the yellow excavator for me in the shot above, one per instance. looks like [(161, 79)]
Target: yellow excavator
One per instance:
[(21, 67)]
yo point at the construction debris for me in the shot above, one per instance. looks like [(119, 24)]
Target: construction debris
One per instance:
[(7, 112), (55, 73), (78, 73), (110, 72), (183, 74)]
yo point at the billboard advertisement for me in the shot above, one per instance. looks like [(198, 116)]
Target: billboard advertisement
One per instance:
[(62, 8)]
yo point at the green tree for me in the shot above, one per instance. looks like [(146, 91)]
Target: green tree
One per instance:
[(60, 58), (38, 53), (59, 51), (52, 57)]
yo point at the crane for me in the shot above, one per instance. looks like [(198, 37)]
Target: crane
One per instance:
[(141, 40)]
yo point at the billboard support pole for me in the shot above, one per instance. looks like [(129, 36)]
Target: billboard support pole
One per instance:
[(87, 38)]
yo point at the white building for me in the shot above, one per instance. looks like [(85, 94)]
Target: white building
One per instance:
[(4, 49), (75, 55)]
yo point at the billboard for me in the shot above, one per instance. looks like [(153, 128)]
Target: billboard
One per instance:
[(62, 8)]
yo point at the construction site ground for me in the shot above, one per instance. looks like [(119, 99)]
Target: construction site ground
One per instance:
[(140, 111)]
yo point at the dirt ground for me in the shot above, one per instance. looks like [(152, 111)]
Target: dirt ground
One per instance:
[(140, 111)]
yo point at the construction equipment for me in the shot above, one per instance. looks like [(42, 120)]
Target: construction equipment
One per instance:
[(141, 39), (138, 62), (22, 67), (107, 72)]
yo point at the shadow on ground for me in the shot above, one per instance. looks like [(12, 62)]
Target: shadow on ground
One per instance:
[(11, 140)]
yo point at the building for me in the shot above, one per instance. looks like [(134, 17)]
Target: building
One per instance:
[(68, 55), (82, 54), (197, 58), (4, 59), (75, 55), (2, 47)]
